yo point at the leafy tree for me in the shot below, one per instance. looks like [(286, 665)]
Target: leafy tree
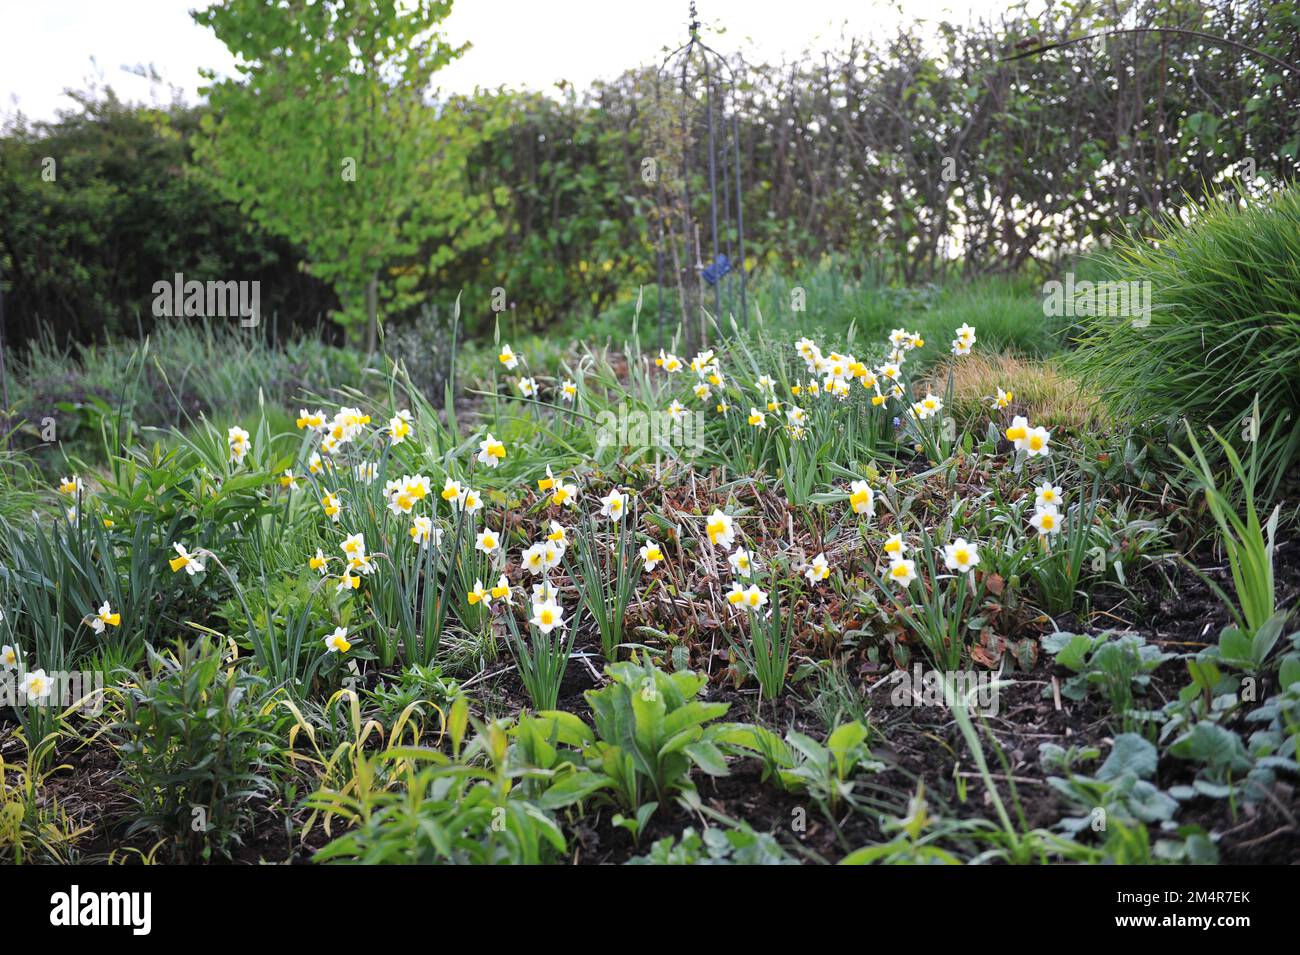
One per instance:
[(326, 137)]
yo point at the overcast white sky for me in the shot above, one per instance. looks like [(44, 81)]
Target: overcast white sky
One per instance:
[(47, 46)]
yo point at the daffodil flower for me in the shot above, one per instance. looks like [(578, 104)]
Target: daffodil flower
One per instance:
[(742, 563), (527, 387), (534, 559), (508, 357), (721, 530), (71, 486), (651, 554), (314, 420), (568, 391), (36, 685), (288, 481), (487, 541), (491, 451), (354, 545), (421, 530), (818, 570), (502, 589), (337, 642), (1047, 521), (479, 595), (319, 562), (105, 618), (566, 495), (558, 536), (237, 439), (751, 597), (757, 418), (1018, 431), (903, 572), (1047, 495), (1036, 442), (961, 555), (399, 427), (668, 362), (185, 560), (547, 616), (676, 411), (331, 505), (613, 504), (894, 546), (862, 498), (8, 657)]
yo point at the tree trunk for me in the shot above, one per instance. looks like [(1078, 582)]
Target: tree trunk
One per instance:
[(372, 314)]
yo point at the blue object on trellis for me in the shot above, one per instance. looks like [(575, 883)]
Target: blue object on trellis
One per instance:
[(717, 270)]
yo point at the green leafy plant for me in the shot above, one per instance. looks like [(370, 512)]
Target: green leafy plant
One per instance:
[(650, 733), (197, 746), (606, 573), (1115, 663), (542, 657), (1249, 544), (716, 846)]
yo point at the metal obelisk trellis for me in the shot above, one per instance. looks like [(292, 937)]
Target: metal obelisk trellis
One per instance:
[(700, 226)]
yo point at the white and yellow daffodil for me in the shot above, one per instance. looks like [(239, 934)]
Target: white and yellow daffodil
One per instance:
[(721, 530), (613, 505), (491, 451), (184, 560), (902, 572), (105, 618), (487, 541), (862, 498), (651, 554), (1047, 521), (337, 642), (547, 616), (237, 440), (961, 555)]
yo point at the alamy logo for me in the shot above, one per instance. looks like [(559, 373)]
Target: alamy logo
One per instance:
[(60, 688), (75, 908), (680, 431), (1073, 299), (922, 687), (194, 299)]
